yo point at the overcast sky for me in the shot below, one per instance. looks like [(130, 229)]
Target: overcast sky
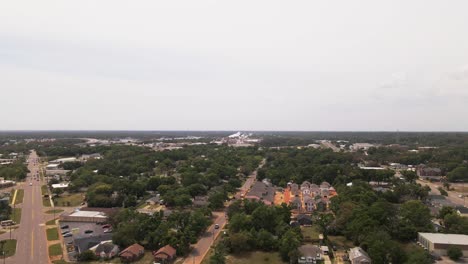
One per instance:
[(234, 65)]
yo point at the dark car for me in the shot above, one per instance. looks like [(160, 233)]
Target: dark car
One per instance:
[(64, 227), (216, 226), (65, 232), (88, 231)]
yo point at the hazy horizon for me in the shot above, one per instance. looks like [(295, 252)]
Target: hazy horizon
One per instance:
[(242, 66)]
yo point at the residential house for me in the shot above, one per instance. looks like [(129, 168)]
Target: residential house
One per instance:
[(154, 200), (427, 173), (358, 256), (296, 203), (262, 191), (304, 220), (200, 201), (462, 211), (132, 253), (309, 254), (309, 203), (106, 250), (164, 255)]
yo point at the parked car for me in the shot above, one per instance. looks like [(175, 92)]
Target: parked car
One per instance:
[(216, 226), (64, 227), (67, 235), (109, 230), (88, 231), (65, 232), (106, 226)]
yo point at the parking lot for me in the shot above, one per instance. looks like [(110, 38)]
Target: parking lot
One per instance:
[(84, 236)]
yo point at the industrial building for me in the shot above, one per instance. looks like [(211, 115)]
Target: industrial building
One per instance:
[(439, 243)]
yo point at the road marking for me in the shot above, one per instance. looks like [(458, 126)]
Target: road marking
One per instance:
[(32, 244)]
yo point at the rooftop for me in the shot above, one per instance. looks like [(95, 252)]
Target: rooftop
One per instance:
[(439, 238), (88, 214)]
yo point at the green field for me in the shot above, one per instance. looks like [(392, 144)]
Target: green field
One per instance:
[(69, 200), (340, 241), (55, 250), (52, 234), (19, 196), (54, 211), (9, 247), (16, 215)]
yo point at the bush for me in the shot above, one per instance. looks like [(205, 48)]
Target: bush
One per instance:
[(454, 253), (87, 255)]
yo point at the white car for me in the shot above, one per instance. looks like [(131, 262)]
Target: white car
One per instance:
[(30, 184)]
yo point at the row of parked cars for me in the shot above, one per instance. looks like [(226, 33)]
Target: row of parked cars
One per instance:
[(66, 232)]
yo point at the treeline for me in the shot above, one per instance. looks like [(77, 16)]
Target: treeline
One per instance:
[(256, 226), (179, 230), (16, 171), (316, 166), (379, 225), (127, 172)]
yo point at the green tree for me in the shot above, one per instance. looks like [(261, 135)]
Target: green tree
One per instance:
[(454, 253)]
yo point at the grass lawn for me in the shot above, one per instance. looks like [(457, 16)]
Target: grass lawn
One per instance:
[(74, 199), (340, 241), (16, 215), (46, 202), (147, 258), (310, 232), (51, 222), (9, 247), (255, 257), (19, 196), (54, 211), (44, 190), (52, 234), (55, 250)]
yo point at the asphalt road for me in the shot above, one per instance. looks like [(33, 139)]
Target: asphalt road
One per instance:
[(31, 237), (452, 196)]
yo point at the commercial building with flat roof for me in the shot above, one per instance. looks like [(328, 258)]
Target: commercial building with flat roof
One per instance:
[(84, 216), (439, 243)]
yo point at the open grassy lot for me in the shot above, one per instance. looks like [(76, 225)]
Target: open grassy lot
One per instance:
[(55, 250), (16, 215), (54, 211), (60, 261), (74, 199), (256, 257), (310, 232), (51, 222), (52, 234), (147, 258), (340, 241), (9, 247)]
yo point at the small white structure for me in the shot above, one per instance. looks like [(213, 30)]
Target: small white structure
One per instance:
[(60, 185)]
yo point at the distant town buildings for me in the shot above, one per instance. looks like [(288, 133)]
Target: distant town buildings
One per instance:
[(428, 173)]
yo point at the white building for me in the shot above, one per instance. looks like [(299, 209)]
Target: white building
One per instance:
[(439, 243)]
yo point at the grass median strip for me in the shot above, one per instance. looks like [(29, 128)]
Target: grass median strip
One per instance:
[(54, 211), (55, 250), (16, 215), (52, 234), (19, 196), (51, 222)]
